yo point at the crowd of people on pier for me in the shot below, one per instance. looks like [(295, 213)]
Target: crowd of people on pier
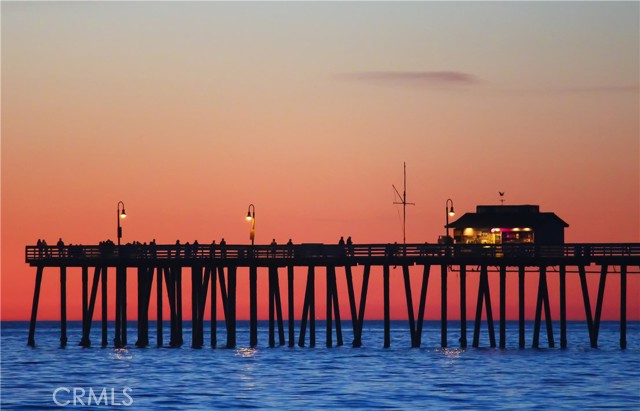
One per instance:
[(177, 250)]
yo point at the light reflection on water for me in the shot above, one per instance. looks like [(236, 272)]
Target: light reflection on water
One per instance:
[(341, 377), (123, 354)]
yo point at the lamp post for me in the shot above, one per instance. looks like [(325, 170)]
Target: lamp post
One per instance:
[(251, 216), (121, 214), (448, 212)]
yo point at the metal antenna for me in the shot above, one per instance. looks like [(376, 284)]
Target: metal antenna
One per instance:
[(403, 201)]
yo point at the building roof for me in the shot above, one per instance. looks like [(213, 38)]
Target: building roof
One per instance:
[(497, 216)]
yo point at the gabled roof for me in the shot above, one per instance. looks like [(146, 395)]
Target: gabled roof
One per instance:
[(507, 217)]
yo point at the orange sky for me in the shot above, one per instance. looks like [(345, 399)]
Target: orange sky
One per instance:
[(189, 112)]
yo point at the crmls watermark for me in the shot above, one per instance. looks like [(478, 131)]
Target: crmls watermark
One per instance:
[(78, 396)]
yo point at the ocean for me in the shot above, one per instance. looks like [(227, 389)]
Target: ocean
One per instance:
[(371, 377)]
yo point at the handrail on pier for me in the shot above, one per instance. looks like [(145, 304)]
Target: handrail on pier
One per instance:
[(141, 252)]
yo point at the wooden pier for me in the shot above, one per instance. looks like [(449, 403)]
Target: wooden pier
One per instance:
[(213, 266)]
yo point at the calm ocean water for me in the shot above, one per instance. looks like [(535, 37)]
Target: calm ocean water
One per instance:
[(303, 378)]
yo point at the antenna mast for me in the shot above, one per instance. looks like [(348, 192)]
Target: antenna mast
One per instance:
[(403, 201)]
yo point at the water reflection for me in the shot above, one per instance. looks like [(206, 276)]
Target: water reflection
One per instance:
[(246, 352), (123, 354)]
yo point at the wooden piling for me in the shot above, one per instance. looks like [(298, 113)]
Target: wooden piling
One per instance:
[(202, 302), (178, 286), (521, 297), (159, 303), (124, 307), (623, 307), (357, 317), (409, 299), (563, 306), (63, 306), (443, 306), (275, 279), (543, 300), (214, 308), (34, 307), (104, 307), (463, 306), (387, 316), (290, 302), (329, 308), (253, 306), (85, 305), (587, 304), (88, 315), (194, 307), (484, 295), (596, 320), (503, 305)]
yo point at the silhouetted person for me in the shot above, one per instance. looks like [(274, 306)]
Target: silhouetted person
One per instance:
[(290, 248), (44, 247), (39, 248), (212, 249), (60, 245), (223, 248), (341, 242), (195, 248), (153, 248), (273, 247), (178, 248), (349, 245)]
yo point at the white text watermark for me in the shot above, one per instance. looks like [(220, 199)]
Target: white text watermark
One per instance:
[(103, 396)]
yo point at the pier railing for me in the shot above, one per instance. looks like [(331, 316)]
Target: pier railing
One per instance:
[(36, 255)]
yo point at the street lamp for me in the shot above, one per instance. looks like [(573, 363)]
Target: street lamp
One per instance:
[(448, 212), (251, 216), (121, 214)]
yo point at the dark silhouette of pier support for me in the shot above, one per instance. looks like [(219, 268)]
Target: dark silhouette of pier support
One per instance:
[(34, 307), (333, 308), (387, 303), (253, 306), (89, 302), (463, 305), (63, 306), (543, 300), (159, 304), (215, 266), (443, 306), (309, 311), (120, 339), (563, 306), (503, 305), (484, 295), (290, 295), (357, 316), (623, 307), (415, 324), (275, 308)]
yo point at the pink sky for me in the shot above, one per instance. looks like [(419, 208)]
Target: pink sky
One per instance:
[(189, 112)]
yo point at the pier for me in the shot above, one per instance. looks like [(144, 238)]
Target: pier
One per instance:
[(210, 267)]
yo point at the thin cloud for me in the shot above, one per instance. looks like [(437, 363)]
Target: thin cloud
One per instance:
[(427, 78), (633, 88)]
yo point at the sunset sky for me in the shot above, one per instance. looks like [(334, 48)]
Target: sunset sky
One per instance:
[(188, 112)]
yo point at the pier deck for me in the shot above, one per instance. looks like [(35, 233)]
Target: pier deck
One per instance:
[(214, 266)]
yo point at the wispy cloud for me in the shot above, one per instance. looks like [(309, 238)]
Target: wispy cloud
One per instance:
[(633, 88), (426, 78)]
